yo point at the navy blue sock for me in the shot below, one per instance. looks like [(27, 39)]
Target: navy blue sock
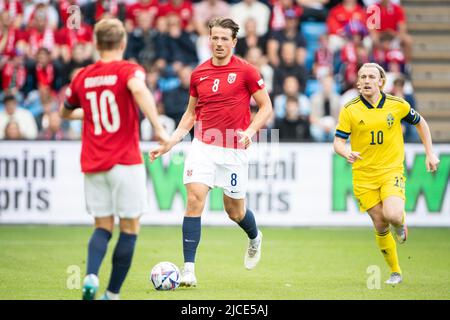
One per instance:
[(192, 227), (249, 224), (98, 244), (121, 262)]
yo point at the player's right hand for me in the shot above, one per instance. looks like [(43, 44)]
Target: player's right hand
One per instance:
[(353, 156), (163, 148)]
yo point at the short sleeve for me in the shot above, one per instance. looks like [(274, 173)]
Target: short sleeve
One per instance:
[(254, 80), (71, 100), (343, 128), (135, 71), (408, 113), (192, 88)]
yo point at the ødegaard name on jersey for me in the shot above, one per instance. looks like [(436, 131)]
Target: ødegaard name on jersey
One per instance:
[(92, 82)]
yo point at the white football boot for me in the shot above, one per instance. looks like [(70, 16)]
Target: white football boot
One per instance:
[(395, 278), (253, 253), (187, 278)]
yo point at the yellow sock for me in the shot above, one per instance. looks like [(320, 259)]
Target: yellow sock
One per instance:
[(388, 248)]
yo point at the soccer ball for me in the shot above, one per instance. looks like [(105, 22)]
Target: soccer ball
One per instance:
[(165, 276)]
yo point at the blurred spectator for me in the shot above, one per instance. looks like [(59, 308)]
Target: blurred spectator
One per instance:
[(205, 10), (68, 37), (250, 40), (394, 72), (47, 103), (278, 15), (78, 60), (288, 67), (251, 9), (143, 40), (178, 45), (54, 130), (14, 8), (291, 89), (9, 36), (44, 71), (368, 3), (393, 20), (349, 94), (147, 133), (12, 131), (23, 117), (323, 59), (14, 74), (314, 10), (96, 10), (40, 34), (43, 8), (175, 100), (293, 127), (151, 80), (255, 57), (148, 7), (341, 15), (290, 33), (325, 109), (64, 11), (353, 55), (398, 90), (183, 9)]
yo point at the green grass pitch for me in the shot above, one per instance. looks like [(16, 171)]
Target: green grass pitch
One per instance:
[(297, 263)]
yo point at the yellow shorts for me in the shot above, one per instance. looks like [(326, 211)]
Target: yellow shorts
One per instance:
[(370, 193)]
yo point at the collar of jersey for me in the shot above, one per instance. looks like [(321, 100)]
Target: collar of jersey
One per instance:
[(370, 106)]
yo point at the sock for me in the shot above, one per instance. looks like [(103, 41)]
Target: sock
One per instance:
[(96, 250), (121, 262), (192, 227), (248, 223), (189, 266), (388, 248)]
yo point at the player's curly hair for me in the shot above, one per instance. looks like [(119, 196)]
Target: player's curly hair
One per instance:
[(225, 23), (380, 70), (109, 33)]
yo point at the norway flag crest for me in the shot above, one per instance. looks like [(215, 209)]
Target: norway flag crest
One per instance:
[(231, 78)]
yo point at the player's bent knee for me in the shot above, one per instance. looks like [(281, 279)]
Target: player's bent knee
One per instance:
[(130, 226), (394, 216)]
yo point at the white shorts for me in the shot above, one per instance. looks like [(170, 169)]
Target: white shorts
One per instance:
[(121, 191), (215, 166)]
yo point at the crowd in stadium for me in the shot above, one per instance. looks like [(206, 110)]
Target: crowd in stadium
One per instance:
[(308, 52)]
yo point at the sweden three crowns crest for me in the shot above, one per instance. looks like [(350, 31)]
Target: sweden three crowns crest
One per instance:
[(390, 120)]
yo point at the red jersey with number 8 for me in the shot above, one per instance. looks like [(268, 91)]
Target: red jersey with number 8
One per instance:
[(223, 100), (111, 120)]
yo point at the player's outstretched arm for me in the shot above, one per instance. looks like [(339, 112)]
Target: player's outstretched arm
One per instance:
[(263, 115), (341, 149), (71, 114), (146, 103), (431, 161), (185, 125)]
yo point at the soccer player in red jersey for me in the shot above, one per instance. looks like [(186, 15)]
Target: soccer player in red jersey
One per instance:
[(219, 106), (104, 95)]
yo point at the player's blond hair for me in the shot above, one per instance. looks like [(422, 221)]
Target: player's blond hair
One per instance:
[(109, 34), (380, 70)]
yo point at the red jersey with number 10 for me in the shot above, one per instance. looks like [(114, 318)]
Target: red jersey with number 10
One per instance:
[(223, 105), (111, 121)]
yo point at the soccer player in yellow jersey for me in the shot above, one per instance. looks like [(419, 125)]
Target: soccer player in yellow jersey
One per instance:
[(373, 123)]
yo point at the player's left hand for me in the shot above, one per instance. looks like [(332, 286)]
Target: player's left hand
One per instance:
[(432, 162), (245, 138)]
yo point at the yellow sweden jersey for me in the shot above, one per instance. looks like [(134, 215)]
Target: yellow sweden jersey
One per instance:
[(376, 133)]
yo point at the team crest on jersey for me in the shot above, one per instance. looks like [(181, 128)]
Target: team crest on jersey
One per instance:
[(390, 120), (231, 78), (189, 172)]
